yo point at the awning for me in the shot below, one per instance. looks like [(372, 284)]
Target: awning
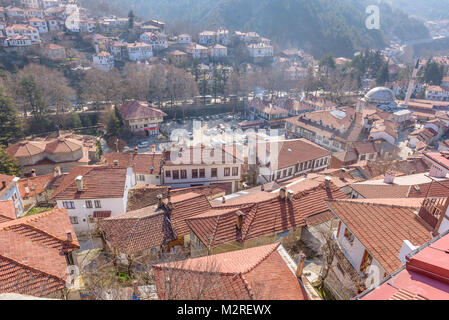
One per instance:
[(154, 128), (102, 214)]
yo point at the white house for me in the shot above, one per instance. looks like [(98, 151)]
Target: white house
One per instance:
[(10, 191), (159, 41), (103, 61), (283, 160), (207, 38), (223, 37), (139, 51), (202, 166), (218, 51), (184, 39), (23, 30), (197, 51), (17, 41), (439, 93), (141, 118), (260, 50), (39, 24), (94, 192)]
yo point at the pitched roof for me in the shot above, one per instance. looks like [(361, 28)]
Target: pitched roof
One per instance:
[(26, 149), (139, 230), (292, 152), (143, 163), (135, 110), (203, 155), (31, 253), (255, 273), (40, 183), (264, 213), (185, 206), (7, 211), (98, 182), (425, 276), (382, 229)]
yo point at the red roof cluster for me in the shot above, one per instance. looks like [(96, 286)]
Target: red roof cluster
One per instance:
[(143, 163), (256, 273), (32, 251)]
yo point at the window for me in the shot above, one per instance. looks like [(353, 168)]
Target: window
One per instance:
[(175, 174), (362, 157), (168, 174), (194, 173), (297, 167), (235, 171), (278, 175), (349, 236), (183, 174), (366, 262), (97, 204), (285, 173), (88, 204), (140, 177), (74, 220), (213, 172), (227, 172), (68, 204), (290, 171), (202, 173)]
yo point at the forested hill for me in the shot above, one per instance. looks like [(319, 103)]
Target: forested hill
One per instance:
[(321, 26), (424, 9)]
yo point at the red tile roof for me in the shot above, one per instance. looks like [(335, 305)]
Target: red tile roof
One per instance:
[(291, 152), (139, 230), (256, 273), (425, 276), (139, 110), (7, 211), (40, 183), (263, 214), (31, 253), (186, 206), (98, 182), (382, 229), (143, 163)]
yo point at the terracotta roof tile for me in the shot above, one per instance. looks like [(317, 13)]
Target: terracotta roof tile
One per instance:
[(382, 229), (31, 253), (7, 211), (139, 110), (40, 183), (256, 273), (144, 163), (139, 230), (98, 182)]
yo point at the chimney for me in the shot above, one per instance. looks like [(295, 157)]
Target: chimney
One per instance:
[(327, 181), (290, 195), (153, 148), (33, 172), (389, 177), (223, 199), (79, 183), (115, 163), (239, 221), (69, 236), (136, 149), (160, 204), (300, 265), (262, 188), (57, 171), (3, 184), (283, 193)]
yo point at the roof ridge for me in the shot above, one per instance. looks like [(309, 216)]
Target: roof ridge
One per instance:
[(274, 247), (26, 220), (394, 206), (26, 266)]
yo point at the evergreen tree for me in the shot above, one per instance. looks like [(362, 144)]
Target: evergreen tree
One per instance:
[(433, 73), (8, 164), (131, 18), (10, 124), (382, 75), (75, 121), (114, 125)]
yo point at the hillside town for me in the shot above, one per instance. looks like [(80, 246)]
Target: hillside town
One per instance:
[(143, 162)]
